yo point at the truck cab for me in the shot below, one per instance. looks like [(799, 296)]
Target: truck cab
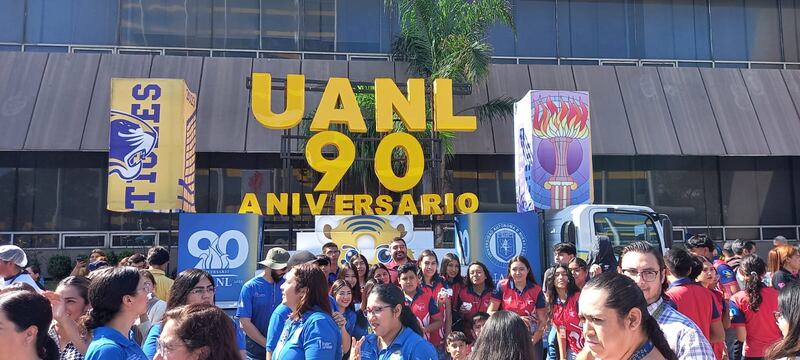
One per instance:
[(622, 224)]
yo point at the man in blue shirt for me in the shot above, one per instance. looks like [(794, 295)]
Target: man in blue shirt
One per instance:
[(259, 298)]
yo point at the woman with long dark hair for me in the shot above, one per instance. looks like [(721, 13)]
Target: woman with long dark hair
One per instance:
[(348, 275), (709, 279), (396, 329), (118, 296), (783, 265), (380, 273), (25, 317), (198, 331), (431, 282), (310, 332), (503, 337), (519, 293), (753, 309), (360, 265), (450, 269), (70, 302), (616, 323), (562, 304), (788, 319), (192, 286), (355, 326), (476, 296)]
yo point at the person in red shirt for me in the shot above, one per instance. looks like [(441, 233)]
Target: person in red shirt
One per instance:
[(690, 298), (476, 296), (450, 269), (753, 310), (437, 288), (709, 279), (562, 303), (399, 252), (422, 303), (519, 293)]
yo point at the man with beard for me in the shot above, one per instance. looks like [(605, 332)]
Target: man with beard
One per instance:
[(259, 298), (399, 252)]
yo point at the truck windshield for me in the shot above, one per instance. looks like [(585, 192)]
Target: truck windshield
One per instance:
[(624, 228)]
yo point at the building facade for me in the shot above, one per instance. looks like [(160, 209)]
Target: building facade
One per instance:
[(695, 105)]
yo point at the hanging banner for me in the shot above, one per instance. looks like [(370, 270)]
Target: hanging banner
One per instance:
[(227, 246), (151, 155), (495, 238), (553, 151), (369, 235)]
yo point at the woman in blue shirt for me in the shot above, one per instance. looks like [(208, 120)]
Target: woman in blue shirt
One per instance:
[(397, 334), (355, 324), (192, 286), (118, 296), (310, 332)]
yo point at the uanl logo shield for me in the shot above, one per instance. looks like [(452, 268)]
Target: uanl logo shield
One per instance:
[(503, 242), (506, 244)]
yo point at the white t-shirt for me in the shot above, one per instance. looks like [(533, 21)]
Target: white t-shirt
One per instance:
[(22, 278)]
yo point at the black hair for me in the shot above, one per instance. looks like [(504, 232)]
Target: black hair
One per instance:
[(374, 268), (340, 284), (26, 309), (480, 315), (321, 260), (148, 275), (184, 283), (329, 244), (697, 266), (157, 255), (446, 259), (580, 262), (486, 274), (565, 247), (136, 258), (550, 286), (456, 336), (700, 241), (754, 269), (727, 248), (402, 269), (644, 247), (35, 269), (622, 295), (80, 283), (393, 296), (680, 262), (400, 239), (108, 287), (738, 246), (522, 259), (503, 337), (427, 252), (789, 309)]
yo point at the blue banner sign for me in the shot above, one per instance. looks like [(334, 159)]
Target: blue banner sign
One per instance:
[(227, 246), (495, 238)]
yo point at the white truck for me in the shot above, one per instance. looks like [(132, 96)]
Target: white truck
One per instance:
[(623, 224)]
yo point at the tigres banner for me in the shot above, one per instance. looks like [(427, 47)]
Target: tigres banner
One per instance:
[(152, 143)]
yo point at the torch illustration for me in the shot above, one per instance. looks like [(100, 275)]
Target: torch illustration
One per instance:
[(560, 120)]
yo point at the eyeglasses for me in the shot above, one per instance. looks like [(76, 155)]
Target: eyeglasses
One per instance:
[(164, 348), (332, 252), (375, 310), (203, 290), (646, 275)]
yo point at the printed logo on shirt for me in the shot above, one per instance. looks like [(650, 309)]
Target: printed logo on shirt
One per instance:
[(396, 355), (324, 345)]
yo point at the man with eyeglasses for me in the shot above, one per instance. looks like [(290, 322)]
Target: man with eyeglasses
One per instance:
[(644, 264)]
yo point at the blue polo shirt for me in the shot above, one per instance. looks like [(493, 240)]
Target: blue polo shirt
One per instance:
[(149, 346), (257, 300), (109, 344), (278, 320), (352, 324), (314, 336), (407, 345)]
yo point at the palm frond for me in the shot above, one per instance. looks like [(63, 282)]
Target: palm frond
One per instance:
[(493, 110)]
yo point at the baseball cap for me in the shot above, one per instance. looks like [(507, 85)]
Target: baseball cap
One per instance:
[(300, 257), (277, 258), (13, 254)]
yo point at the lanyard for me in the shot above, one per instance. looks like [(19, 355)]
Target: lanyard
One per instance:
[(659, 310), (643, 350)]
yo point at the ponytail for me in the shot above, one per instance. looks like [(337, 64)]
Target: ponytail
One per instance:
[(754, 268), (408, 319), (97, 318), (656, 336), (46, 347)]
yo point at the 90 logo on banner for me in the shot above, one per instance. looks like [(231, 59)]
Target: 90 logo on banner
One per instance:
[(339, 106)]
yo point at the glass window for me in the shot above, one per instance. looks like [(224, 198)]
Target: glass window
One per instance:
[(364, 26), (84, 241), (319, 25), (82, 199), (762, 23), (71, 22), (36, 241), (675, 29), (594, 28), (169, 23), (236, 24), (280, 25), (623, 229), (8, 177), (133, 240), (729, 34), (12, 18)]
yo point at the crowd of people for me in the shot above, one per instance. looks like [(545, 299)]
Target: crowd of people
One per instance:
[(701, 301)]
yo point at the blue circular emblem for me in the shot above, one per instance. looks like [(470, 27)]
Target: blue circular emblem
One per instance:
[(503, 242)]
